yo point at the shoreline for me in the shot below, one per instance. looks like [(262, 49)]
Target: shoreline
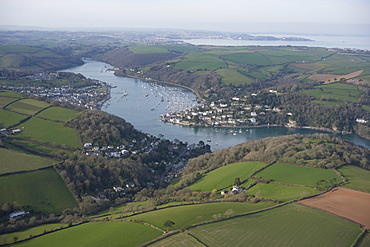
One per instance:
[(267, 125), (198, 97)]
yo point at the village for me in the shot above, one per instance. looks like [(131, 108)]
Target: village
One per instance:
[(91, 96), (236, 112)]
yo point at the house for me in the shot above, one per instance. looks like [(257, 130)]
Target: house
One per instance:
[(4, 131), (224, 192), (16, 131), (236, 189), (17, 214), (88, 145), (361, 120)]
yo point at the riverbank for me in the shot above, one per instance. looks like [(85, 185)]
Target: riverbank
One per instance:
[(136, 107), (198, 97), (262, 126)]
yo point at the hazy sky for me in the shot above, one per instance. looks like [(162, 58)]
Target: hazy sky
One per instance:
[(308, 16)]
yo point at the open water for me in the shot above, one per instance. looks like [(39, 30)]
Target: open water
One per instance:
[(329, 41), (142, 102)]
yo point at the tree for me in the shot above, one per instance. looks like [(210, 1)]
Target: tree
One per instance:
[(237, 181), (213, 193), (229, 212), (168, 224)]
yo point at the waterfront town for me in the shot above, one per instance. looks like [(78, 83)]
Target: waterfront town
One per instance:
[(91, 94)]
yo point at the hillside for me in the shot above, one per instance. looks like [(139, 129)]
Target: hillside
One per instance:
[(34, 58), (309, 84), (125, 58), (66, 162)]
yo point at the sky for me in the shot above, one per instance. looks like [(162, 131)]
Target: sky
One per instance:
[(284, 16)]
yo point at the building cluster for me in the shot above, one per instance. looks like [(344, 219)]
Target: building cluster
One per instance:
[(234, 113), (91, 97)]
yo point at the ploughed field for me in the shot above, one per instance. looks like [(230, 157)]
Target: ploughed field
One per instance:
[(346, 203)]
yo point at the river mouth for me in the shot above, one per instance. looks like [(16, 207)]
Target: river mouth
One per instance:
[(143, 102)]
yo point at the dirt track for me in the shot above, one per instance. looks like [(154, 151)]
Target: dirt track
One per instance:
[(349, 204)]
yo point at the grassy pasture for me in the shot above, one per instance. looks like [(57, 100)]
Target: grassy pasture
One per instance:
[(13, 161), (290, 225), (5, 100), (37, 230), (7, 93), (231, 76), (42, 190), (337, 91), (254, 58), (181, 48), (187, 215), (282, 193), (365, 241), (179, 240), (8, 118), (294, 174), (225, 176), (358, 178), (36, 147), (145, 49), (98, 234), (50, 132), (58, 113), (28, 106), (201, 61)]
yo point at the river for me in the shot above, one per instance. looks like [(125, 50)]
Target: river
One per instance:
[(142, 102)]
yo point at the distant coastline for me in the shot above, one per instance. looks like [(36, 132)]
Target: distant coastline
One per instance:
[(327, 41)]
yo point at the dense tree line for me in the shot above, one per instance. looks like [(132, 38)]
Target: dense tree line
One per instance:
[(89, 175), (317, 150), (104, 129)]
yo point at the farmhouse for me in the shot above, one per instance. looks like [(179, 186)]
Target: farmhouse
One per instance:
[(236, 189), (361, 120), (4, 131), (17, 214)]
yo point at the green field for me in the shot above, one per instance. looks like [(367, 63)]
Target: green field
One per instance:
[(358, 178), (254, 58), (13, 161), (58, 114), (42, 190), (231, 76), (5, 100), (187, 215), (8, 118), (365, 241), (200, 61), (290, 225), (28, 106), (294, 174), (37, 230), (180, 239), (335, 91), (225, 176), (49, 132), (143, 49), (281, 193), (11, 57), (7, 93), (97, 234)]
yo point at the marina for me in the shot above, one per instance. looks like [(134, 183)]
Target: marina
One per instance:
[(142, 103)]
